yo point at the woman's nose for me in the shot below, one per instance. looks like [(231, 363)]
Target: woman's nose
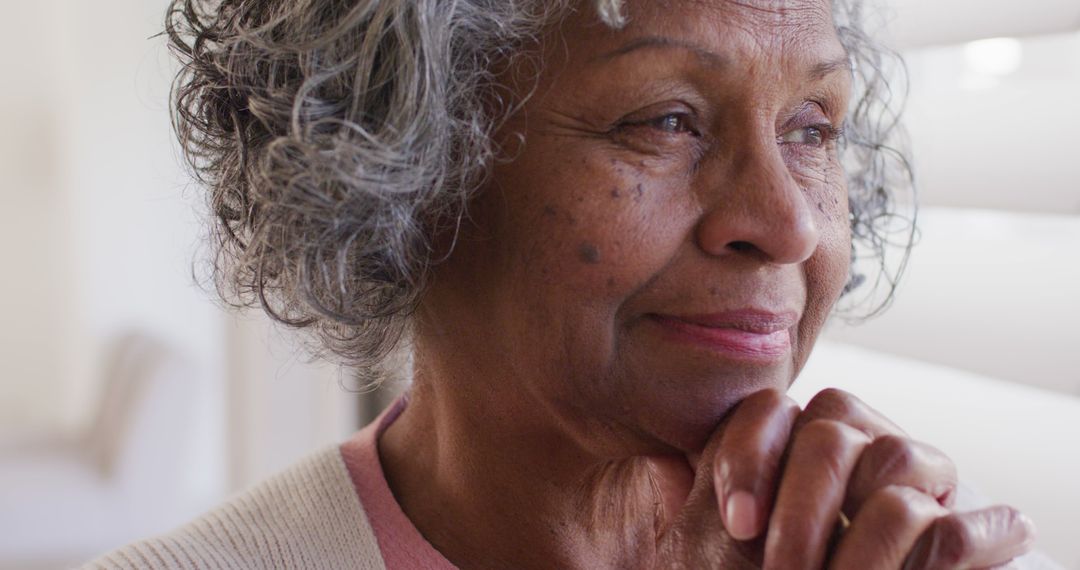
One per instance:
[(757, 208)]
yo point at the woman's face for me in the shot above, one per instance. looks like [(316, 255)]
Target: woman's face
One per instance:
[(670, 230)]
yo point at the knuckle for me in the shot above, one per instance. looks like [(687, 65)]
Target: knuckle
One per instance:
[(904, 505), (771, 402), (953, 542), (896, 458), (893, 456), (833, 403), (829, 436), (830, 445), (894, 513)]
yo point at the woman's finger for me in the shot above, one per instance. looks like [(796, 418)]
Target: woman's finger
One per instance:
[(884, 531), (978, 539), (746, 466), (822, 456), (895, 460), (838, 405)]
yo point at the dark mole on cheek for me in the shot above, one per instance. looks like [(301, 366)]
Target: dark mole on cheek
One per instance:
[(615, 193), (588, 253)]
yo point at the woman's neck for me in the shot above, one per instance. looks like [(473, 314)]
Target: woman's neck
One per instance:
[(492, 486)]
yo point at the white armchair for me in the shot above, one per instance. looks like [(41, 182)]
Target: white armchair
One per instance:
[(132, 473)]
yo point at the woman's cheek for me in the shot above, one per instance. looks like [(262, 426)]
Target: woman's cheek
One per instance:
[(832, 196), (826, 272), (822, 179), (614, 235)]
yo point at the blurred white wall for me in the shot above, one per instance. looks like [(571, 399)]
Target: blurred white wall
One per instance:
[(101, 237), (917, 23), (988, 291), (35, 288), (101, 227), (991, 286), (993, 123)]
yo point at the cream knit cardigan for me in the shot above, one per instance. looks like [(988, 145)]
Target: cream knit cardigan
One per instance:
[(308, 516)]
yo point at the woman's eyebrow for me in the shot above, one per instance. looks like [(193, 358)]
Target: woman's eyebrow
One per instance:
[(817, 72), (711, 58), (826, 68)]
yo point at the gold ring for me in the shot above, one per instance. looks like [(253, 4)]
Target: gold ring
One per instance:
[(841, 526), (844, 522)]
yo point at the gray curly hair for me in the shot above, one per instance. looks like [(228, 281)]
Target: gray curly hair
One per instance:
[(337, 137)]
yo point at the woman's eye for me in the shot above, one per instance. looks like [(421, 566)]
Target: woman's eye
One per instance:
[(670, 132), (814, 135), (674, 123)]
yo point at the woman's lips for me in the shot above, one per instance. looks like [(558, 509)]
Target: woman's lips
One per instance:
[(747, 335)]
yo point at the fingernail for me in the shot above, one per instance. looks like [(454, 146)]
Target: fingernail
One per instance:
[(741, 515)]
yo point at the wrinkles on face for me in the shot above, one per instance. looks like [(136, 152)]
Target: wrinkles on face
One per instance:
[(633, 142), (800, 15), (635, 139), (648, 180)]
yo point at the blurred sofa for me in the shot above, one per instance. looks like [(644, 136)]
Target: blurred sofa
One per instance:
[(130, 474)]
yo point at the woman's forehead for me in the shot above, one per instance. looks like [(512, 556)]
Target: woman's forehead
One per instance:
[(793, 39), (769, 24), (764, 10)]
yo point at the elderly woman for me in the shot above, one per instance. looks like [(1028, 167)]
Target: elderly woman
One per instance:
[(607, 235)]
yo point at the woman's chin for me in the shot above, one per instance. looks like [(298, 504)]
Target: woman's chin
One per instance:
[(683, 416)]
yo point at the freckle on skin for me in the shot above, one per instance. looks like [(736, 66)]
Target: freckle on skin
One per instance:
[(615, 193), (610, 281), (549, 211), (588, 253), (714, 291), (639, 190)]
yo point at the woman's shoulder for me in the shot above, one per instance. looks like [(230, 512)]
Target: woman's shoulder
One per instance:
[(307, 516)]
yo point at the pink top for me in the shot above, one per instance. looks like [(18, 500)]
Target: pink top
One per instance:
[(404, 548), (402, 545)]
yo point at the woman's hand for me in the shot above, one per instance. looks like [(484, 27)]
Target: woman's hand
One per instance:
[(773, 480)]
